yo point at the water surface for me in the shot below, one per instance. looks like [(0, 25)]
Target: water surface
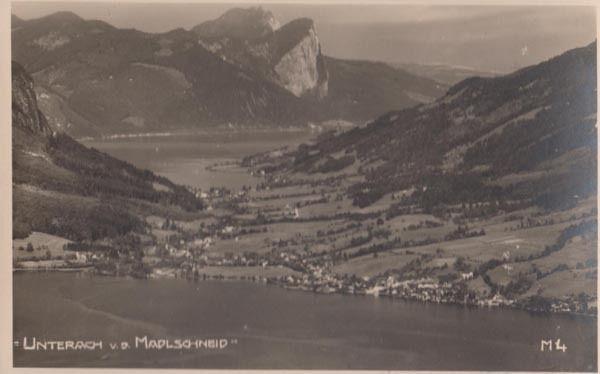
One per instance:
[(275, 328), (280, 329), (184, 158)]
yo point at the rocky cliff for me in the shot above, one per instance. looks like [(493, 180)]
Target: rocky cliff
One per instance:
[(301, 68), (289, 56), (25, 113)]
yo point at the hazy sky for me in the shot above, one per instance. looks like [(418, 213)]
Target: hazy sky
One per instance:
[(484, 37)]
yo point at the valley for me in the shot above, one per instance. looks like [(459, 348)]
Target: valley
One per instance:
[(233, 178), (327, 214), (304, 233)]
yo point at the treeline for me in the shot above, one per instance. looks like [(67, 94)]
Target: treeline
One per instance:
[(332, 164), (97, 222), (582, 228), (73, 218)]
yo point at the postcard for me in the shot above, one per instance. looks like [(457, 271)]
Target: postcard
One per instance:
[(303, 186)]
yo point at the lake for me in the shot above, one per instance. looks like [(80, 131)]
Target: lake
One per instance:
[(273, 328), (184, 158), (281, 329)]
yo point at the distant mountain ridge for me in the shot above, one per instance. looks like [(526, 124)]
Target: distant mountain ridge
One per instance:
[(95, 79), (447, 74), (15, 21)]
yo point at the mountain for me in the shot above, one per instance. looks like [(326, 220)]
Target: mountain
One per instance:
[(94, 79), (61, 187), (446, 74), (365, 89), (15, 21), (526, 136), (238, 23), (294, 52), (289, 56)]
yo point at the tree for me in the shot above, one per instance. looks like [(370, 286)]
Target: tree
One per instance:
[(461, 265)]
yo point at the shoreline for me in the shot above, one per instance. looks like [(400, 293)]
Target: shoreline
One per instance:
[(56, 269), (273, 281), (184, 132)]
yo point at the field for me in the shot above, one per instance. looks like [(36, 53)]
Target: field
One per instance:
[(517, 239), (41, 244), (367, 266), (569, 282), (307, 221)]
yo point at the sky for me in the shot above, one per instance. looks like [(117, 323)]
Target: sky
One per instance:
[(490, 38)]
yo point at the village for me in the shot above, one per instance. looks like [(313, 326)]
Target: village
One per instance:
[(303, 234)]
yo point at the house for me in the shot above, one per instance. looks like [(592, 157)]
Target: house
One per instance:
[(163, 273), (81, 257), (497, 300), (391, 282), (375, 290)]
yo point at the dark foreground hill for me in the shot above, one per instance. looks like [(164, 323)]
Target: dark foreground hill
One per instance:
[(61, 187), (529, 135)]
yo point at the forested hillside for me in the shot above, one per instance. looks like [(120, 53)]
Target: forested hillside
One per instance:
[(63, 188), (528, 135)]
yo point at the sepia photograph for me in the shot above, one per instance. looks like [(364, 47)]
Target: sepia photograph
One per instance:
[(303, 186)]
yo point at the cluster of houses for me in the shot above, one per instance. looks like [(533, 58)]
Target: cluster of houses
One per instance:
[(187, 256), (313, 273), (580, 304), (320, 279), (431, 290)]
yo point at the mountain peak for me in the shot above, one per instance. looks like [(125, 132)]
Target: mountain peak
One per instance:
[(301, 24), (239, 23), (15, 21), (62, 16), (290, 34)]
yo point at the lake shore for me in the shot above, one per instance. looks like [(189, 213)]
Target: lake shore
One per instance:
[(269, 320), (223, 130)]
